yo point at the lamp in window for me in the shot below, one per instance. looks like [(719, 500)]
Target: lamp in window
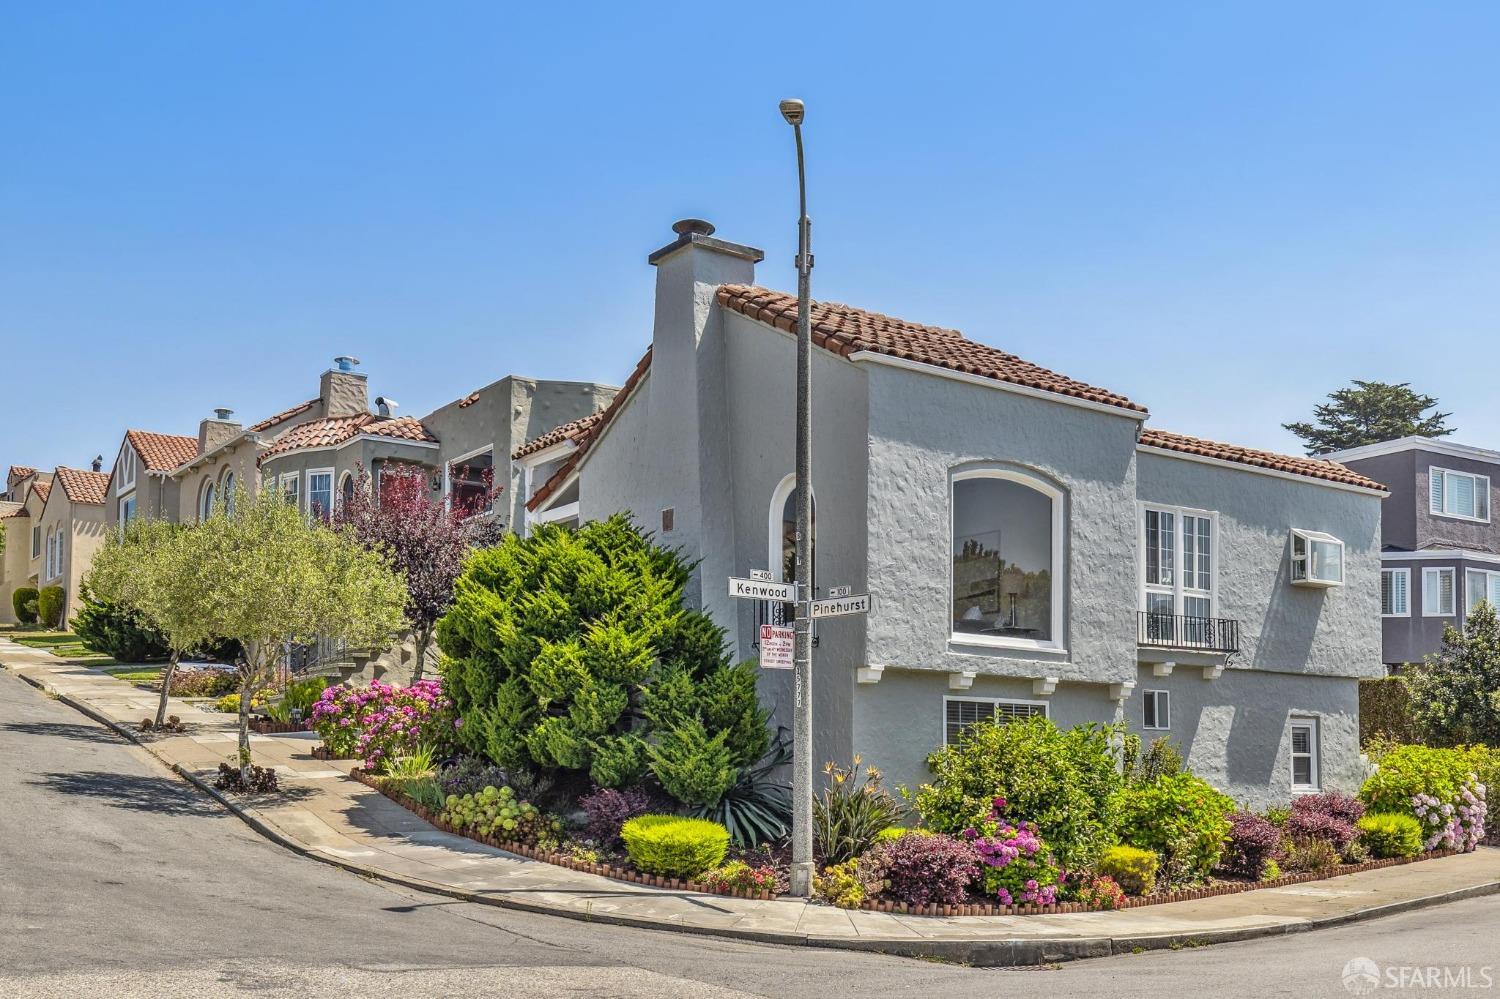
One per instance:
[(1012, 586)]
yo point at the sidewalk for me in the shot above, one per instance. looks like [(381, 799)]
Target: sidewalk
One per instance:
[(326, 816)]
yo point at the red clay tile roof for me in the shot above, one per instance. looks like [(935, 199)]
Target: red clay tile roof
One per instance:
[(21, 471), (600, 421), (9, 509), (574, 431), (331, 431), (846, 330), (468, 400), (162, 452), (281, 417), (1316, 468), (43, 489), (83, 487)]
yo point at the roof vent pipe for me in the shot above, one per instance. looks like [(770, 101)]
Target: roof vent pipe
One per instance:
[(223, 414), (345, 363), (98, 463), (387, 407)]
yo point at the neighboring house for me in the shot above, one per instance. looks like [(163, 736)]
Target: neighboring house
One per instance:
[(25, 495), (141, 482), (1440, 541), (1031, 547), (68, 530)]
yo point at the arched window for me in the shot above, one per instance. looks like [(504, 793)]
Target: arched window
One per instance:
[(226, 489), (783, 552), (206, 500), (1007, 559), (346, 489)]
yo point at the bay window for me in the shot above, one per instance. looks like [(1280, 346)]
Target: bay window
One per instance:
[(1460, 495), (1317, 559), (1007, 532), (1481, 584)]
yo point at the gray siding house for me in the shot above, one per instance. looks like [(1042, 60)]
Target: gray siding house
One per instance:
[(1440, 544), (1031, 546)]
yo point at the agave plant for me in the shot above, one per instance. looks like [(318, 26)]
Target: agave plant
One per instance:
[(757, 809)]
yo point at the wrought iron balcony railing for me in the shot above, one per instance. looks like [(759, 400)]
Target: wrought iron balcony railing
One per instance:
[(1182, 631)]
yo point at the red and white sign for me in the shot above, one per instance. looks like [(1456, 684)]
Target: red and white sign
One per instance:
[(776, 647)]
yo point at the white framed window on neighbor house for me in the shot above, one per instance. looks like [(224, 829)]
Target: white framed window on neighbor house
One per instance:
[(469, 481), (57, 570), (127, 510), (47, 567), (346, 490), (227, 487), (961, 712), (206, 499), (291, 490), (1304, 753), (1460, 495), (125, 481), (320, 492), (1178, 567), (1317, 559), (36, 541), (1438, 591), (1156, 710), (1395, 593), (1480, 584), (1006, 580)]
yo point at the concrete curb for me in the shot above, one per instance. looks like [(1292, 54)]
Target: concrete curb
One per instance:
[(998, 952)]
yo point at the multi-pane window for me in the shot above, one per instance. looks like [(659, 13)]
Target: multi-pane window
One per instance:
[(1156, 710), (320, 493), (961, 712), (1395, 585), (1317, 559), (1437, 592), (1007, 556), (1458, 494), (1304, 754), (1481, 584), (127, 510), (1188, 592), (291, 486)]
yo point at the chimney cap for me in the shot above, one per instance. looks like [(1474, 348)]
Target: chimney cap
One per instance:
[(223, 414), (700, 226), (345, 363), (698, 232), (98, 463)]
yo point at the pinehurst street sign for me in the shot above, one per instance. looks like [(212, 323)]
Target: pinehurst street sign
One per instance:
[(760, 587), (839, 606)]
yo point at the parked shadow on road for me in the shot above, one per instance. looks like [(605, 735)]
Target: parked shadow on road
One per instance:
[(63, 730), (161, 795)]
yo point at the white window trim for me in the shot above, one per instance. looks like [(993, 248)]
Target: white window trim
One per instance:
[(1427, 610), (1486, 573), (338, 495), (459, 460), (120, 510), (125, 464), (293, 479), (1165, 700), (1310, 723), (1177, 589), (568, 511), (779, 496), (307, 487), (1310, 536), (205, 503), (1397, 572), (36, 542), (1476, 476), (943, 720), (1059, 566)]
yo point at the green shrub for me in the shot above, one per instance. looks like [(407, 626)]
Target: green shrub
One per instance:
[(1385, 710), (1161, 759), (571, 651), (23, 602), (1453, 692), (1182, 819), (119, 632), (896, 832), (1309, 855), (757, 808), (674, 847), (1063, 781), (848, 884), (1132, 869), (851, 813), (49, 605), (1390, 834), (1407, 771), (229, 703), (298, 699)]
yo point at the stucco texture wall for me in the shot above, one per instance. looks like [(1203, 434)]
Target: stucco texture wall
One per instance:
[(238, 459), (1283, 628)]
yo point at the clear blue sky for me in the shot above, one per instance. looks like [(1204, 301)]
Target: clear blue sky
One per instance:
[(1222, 213)]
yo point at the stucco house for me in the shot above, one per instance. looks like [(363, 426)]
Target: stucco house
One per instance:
[(1031, 546), (141, 482), (1440, 542), (25, 494), (67, 530)]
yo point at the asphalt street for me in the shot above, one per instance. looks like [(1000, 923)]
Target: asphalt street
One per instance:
[(118, 879)]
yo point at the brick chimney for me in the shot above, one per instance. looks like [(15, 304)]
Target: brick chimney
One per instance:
[(217, 430), (344, 390)]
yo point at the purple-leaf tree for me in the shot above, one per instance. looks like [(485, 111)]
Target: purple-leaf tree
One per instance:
[(425, 537)]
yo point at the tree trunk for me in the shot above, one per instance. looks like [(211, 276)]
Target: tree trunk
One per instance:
[(424, 639), (166, 686), (247, 688)]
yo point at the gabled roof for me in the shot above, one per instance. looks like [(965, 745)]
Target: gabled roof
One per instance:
[(43, 488), (333, 431), (83, 487), (281, 417), (573, 431), (601, 420), (162, 452), (1316, 468), (11, 509), (21, 471), (846, 330)]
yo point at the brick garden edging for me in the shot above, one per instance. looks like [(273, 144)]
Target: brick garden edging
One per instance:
[(899, 908), (561, 860), (265, 726)]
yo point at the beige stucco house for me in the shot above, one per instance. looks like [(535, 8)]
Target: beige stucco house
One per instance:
[(70, 527), (25, 495), (141, 482)]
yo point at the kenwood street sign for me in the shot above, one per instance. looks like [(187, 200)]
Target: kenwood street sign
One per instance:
[(760, 589)]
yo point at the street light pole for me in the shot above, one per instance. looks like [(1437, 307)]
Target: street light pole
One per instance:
[(802, 721)]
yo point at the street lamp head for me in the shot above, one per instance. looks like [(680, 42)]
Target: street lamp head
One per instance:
[(792, 110)]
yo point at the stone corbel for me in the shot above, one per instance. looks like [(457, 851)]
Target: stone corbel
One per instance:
[(1213, 672), (961, 681), (1043, 686), (1162, 669), (868, 674), (1120, 691)]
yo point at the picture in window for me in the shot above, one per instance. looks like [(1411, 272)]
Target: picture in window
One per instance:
[(1002, 559)]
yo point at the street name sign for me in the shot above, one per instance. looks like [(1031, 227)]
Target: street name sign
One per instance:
[(777, 646), (839, 606), (760, 589)]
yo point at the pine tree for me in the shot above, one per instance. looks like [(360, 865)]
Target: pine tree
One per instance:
[(1369, 413)]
